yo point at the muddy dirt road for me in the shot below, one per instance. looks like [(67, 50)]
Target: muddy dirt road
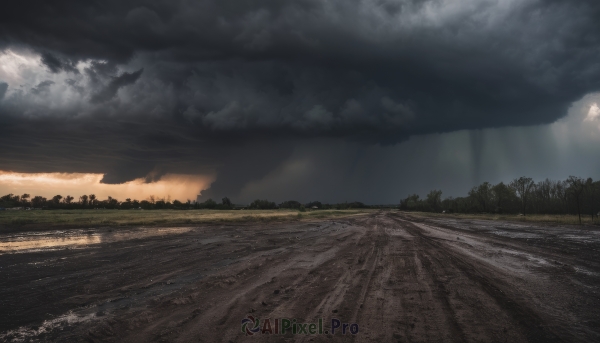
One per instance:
[(399, 278)]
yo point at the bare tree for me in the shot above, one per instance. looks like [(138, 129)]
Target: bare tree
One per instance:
[(560, 189), (590, 190), (576, 188), (543, 194), (523, 187)]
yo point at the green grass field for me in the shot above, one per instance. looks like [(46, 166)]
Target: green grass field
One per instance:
[(90, 218), (534, 218)]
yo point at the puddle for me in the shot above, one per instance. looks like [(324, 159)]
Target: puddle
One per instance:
[(529, 257), (584, 239), (25, 334), (585, 271), (77, 238), (521, 235), (134, 300)]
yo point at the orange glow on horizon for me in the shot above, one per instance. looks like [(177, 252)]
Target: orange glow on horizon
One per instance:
[(176, 186)]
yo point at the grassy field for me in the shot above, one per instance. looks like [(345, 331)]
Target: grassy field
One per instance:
[(534, 218), (89, 218)]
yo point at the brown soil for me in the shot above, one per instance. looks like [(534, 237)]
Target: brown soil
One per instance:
[(401, 279)]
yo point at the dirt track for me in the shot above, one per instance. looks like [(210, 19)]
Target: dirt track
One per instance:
[(399, 278)]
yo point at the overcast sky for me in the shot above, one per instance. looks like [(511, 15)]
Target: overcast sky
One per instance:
[(331, 100)]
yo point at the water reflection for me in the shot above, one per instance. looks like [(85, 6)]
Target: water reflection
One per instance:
[(77, 238)]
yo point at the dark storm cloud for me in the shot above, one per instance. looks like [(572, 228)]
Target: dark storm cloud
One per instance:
[(110, 90), (221, 73), (56, 65), (42, 87), (335, 67)]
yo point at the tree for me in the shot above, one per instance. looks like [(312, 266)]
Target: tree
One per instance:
[(543, 196), (10, 200), (92, 199), (576, 189), (561, 193), (263, 205), (522, 187), (290, 204), (210, 204), (24, 198), (112, 202), (68, 199), (589, 196), (482, 194), (411, 203), (226, 202), (434, 200), (502, 195), (127, 204), (56, 199), (595, 199), (38, 201), (83, 200)]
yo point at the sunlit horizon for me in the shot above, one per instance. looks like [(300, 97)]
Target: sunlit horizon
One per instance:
[(171, 186)]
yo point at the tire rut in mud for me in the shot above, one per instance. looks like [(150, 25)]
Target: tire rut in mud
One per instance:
[(530, 322)]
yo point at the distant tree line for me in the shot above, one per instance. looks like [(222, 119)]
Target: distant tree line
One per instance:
[(92, 202), (572, 196), (296, 205), (152, 203)]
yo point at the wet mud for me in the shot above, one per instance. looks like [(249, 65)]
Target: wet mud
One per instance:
[(399, 278)]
